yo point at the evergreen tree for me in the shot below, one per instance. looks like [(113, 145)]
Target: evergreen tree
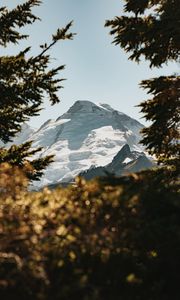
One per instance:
[(152, 30), (24, 80)]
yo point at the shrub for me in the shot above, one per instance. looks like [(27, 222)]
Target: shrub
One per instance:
[(95, 240)]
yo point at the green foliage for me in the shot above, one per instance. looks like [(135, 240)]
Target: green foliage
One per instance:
[(151, 30), (25, 79), (17, 156), (18, 17), (95, 240), (162, 137)]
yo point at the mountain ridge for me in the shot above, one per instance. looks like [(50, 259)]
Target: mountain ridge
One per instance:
[(124, 162)]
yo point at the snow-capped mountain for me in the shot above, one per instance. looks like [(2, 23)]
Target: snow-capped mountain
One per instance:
[(87, 135)]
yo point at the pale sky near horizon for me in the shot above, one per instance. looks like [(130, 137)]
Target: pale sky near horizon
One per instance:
[(95, 70)]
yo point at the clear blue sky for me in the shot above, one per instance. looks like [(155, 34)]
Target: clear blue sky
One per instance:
[(95, 70)]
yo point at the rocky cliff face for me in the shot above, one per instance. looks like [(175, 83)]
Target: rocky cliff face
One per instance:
[(124, 162)]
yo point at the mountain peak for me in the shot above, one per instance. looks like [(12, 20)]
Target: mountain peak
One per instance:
[(83, 106)]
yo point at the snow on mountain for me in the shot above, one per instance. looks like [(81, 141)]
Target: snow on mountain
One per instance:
[(124, 162), (87, 135)]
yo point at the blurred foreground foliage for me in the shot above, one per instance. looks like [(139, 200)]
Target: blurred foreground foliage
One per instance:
[(112, 238)]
